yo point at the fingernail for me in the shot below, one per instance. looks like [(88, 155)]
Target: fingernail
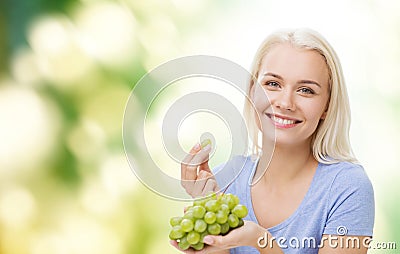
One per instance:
[(208, 240), (196, 146)]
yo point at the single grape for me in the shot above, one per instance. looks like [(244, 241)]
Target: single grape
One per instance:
[(198, 246), (212, 205), (210, 217), (214, 229), (225, 208), (233, 220), (200, 226), (236, 199), (200, 202), (229, 201), (193, 237), (205, 142), (198, 212), (241, 222), (176, 232), (221, 217), (240, 211), (187, 225), (189, 215), (175, 221), (225, 228), (183, 243)]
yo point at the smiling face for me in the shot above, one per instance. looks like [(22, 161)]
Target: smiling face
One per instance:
[(296, 82)]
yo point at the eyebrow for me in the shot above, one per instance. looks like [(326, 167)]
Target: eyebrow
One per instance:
[(303, 81)]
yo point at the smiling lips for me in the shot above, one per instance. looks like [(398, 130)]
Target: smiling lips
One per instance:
[(283, 121)]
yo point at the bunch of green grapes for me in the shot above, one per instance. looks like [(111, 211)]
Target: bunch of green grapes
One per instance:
[(214, 215)]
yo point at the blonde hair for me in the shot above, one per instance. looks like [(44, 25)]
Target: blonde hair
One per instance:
[(330, 141)]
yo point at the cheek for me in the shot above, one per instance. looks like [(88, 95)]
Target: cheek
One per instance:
[(316, 112), (261, 102), (260, 99)]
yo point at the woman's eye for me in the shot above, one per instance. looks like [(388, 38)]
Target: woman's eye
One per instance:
[(306, 90), (272, 83)]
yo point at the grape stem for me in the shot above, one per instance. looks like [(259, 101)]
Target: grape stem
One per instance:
[(226, 188)]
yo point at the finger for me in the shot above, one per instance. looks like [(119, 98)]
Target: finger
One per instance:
[(201, 156), (190, 170), (210, 186), (186, 161), (206, 174), (190, 174), (204, 166), (200, 183), (190, 179), (195, 149)]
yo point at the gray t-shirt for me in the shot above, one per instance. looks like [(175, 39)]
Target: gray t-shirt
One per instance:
[(339, 201)]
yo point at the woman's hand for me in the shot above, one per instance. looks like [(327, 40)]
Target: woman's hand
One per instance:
[(196, 176), (246, 235)]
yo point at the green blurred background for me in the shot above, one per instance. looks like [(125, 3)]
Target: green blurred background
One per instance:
[(67, 68)]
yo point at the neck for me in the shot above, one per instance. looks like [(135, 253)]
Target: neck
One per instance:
[(284, 163)]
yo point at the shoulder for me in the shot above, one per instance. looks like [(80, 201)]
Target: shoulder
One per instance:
[(349, 186), (346, 166), (347, 175)]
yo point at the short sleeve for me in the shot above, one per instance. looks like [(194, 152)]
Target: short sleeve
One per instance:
[(351, 203)]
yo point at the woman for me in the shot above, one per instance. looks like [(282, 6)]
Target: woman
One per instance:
[(305, 192)]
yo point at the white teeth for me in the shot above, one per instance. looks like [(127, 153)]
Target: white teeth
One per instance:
[(283, 121)]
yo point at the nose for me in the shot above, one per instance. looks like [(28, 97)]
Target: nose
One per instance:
[(284, 101)]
